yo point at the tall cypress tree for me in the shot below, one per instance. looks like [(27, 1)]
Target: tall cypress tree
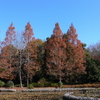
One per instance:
[(7, 53), (55, 53), (75, 53), (30, 52)]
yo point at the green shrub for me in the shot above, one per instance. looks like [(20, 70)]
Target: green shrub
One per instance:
[(47, 84), (38, 84), (34, 84), (10, 84), (42, 80), (54, 85), (41, 84), (60, 84), (18, 85), (30, 86), (2, 83)]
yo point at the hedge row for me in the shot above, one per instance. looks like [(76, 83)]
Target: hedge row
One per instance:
[(56, 85), (45, 84), (40, 85), (65, 86)]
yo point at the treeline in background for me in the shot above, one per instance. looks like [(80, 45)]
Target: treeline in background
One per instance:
[(60, 58)]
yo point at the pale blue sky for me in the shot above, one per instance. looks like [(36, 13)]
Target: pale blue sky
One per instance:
[(43, 14)]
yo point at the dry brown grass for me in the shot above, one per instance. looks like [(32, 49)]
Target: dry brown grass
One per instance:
[(82, 86), (32, 96)]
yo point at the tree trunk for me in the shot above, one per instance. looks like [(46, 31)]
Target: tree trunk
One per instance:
[(27, 70), (27, 80), (20, 78)]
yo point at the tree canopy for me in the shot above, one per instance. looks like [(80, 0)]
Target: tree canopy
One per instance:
[(61, 57)]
